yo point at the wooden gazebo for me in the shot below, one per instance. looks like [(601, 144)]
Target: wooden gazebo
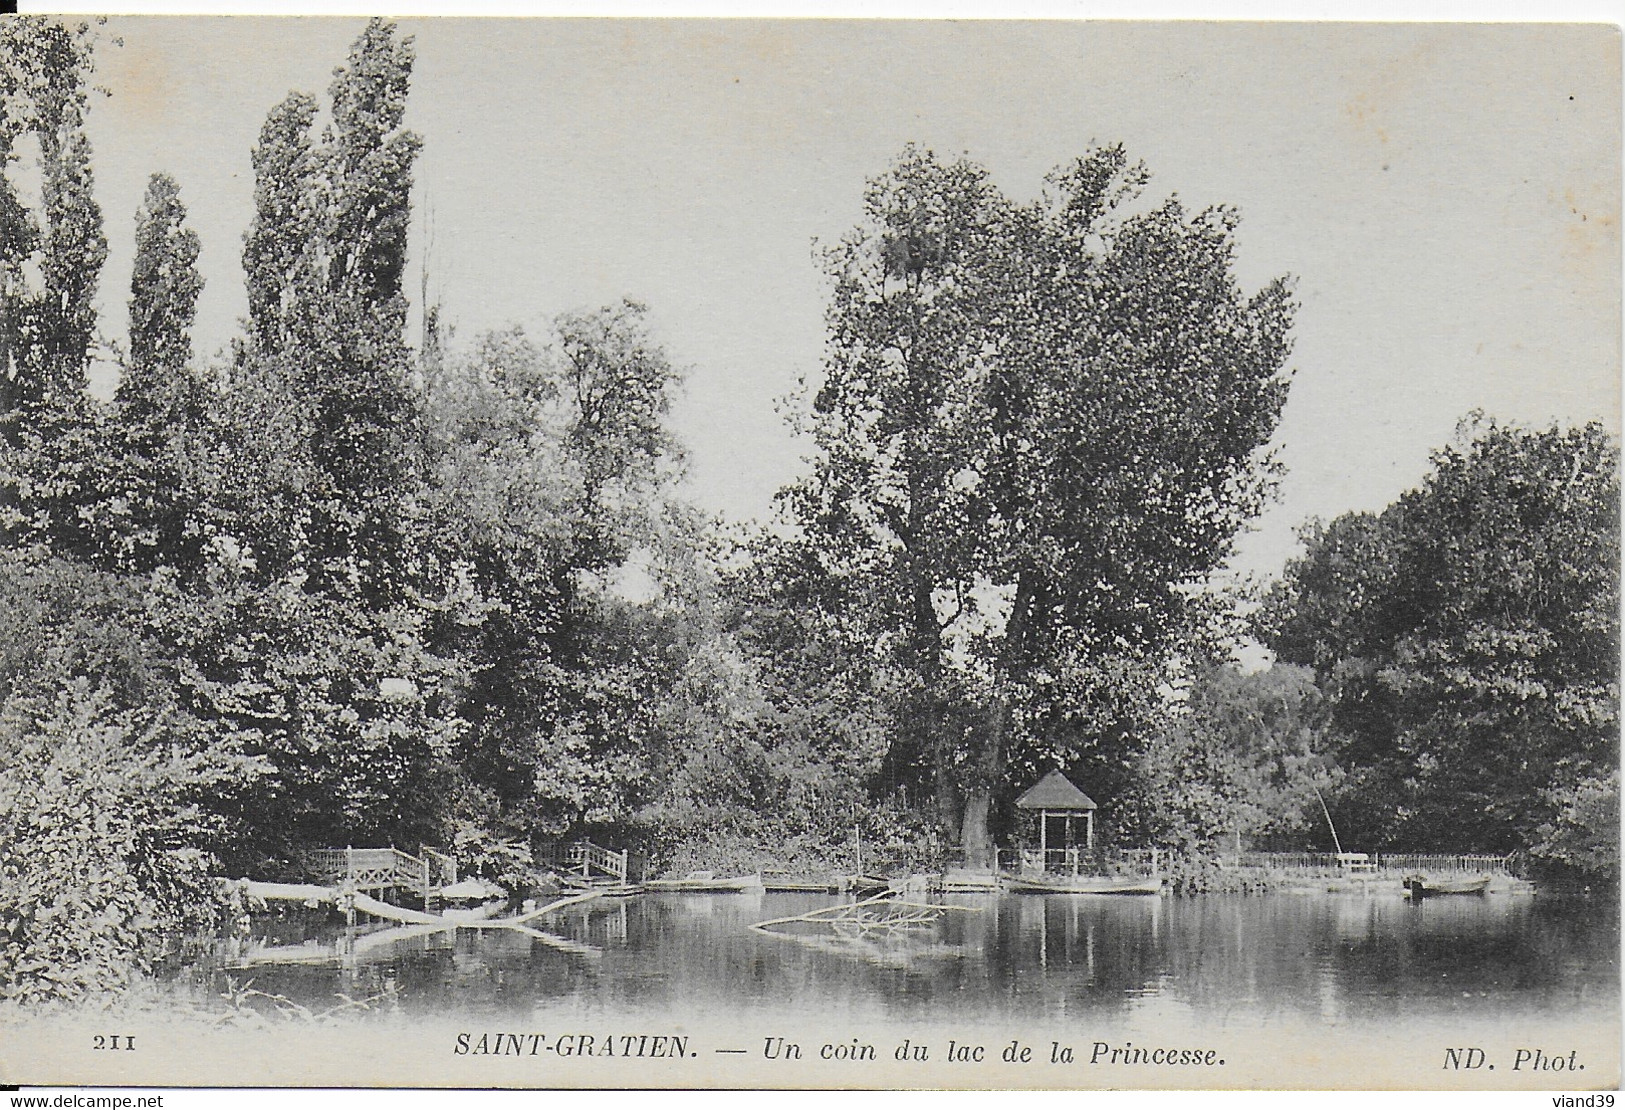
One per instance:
[(1054, 795)]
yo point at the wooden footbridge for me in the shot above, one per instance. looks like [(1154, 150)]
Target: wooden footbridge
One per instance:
[(347, 875), (587, 861), (427, 874), (365, 869)]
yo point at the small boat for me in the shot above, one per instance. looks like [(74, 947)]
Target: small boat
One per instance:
[(1420, 887), (863, 886), (916, 885), (1085, 884), (705, 882), (781, 884), (960, 880)]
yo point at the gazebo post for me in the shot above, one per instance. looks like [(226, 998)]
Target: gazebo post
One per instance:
[(1043, 840), (1089, 830)]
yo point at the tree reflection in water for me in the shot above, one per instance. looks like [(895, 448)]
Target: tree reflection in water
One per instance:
[(1316, 958)]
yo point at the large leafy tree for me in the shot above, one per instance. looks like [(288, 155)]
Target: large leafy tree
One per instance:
[(616, 383), (549, 471), (895, 427), (1039, 426), (814, 708), (1468, 637)]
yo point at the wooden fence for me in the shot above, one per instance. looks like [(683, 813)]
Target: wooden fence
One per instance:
[(1148, 861), (1378, 861)]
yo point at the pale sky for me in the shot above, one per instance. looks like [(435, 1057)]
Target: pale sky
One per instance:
[(1446, 196)]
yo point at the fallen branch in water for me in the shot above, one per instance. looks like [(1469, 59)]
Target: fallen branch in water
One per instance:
[(901, 914)]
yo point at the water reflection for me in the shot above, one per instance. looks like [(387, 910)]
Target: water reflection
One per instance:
[(1327, 959)]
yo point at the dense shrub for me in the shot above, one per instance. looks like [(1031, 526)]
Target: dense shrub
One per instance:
[(104, 841)]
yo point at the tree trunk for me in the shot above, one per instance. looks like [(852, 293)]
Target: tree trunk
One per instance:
[(974, 833), (948, 802), (987, 769), (927, 637)]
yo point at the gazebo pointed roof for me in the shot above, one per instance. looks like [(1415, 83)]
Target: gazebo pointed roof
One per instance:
[(1055, 792)]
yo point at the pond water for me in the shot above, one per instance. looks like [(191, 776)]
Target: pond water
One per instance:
[(1227, 961), (678, 990)]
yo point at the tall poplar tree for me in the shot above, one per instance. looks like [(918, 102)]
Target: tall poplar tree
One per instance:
[(318, 473), (324, 259), (365, 409), (46, 327), (278, 248), (160, 425), (164, 289), (50, 260)]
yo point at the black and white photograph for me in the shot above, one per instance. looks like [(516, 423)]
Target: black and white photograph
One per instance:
[(809, 553)]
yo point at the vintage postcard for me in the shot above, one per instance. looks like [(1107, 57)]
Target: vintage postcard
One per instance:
[(604, 553)]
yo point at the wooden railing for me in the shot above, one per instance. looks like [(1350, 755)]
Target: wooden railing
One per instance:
[(1379, 861), (442, 868), (584, 856), (1081, 861), (1477, 864), (375, 869), (1149, 860)]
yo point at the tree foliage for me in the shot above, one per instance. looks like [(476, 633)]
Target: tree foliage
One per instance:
[(278, 248), (549, 467), (1468, 637), (1239, 762), (164, 288), (214, 570), (1039, 425), (47, 322), (324, 258), (327, 591), (114, 810), (157, 439)]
